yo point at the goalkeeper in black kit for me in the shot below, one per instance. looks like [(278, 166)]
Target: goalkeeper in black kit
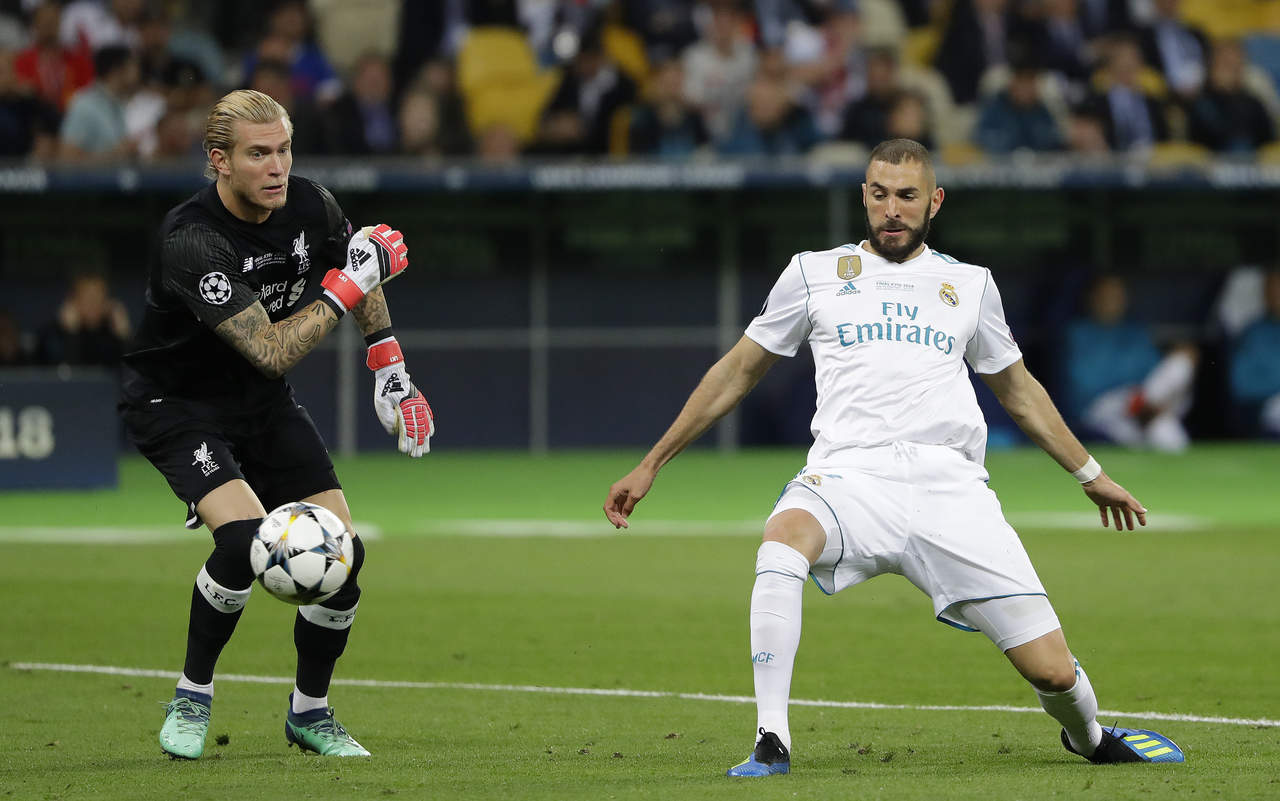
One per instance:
[(246, 278)]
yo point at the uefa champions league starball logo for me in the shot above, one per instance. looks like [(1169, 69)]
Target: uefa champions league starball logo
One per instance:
[(215, 288)]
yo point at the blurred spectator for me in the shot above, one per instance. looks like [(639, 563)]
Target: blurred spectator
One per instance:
[(159, 66), (1101, 17), (666, 125), (1086, 133), (718, 68), (909, 119), (1255, 367), (1058, 40), (1016, 118), (829, 62), (866, 120), (427, 31), (498, 144), (580, 113), (917, 13), (664, 25), (164, 79), (273, 78), (1119, 384), (91, 327), (361, 121), (1227, 117), (1131, 117), (1178, 51), (290, 39), (780, 21), (176, 137), (439, 78), (974, 40), (772, 124), (90, 25), (28, 125), (418, 124), (54, 71), (13, 351), (94, 127)]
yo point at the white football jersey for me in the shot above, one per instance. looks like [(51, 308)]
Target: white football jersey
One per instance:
[(888, 343)]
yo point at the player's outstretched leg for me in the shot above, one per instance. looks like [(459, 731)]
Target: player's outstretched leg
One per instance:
[(775, 636), (1065, 693), (320, 633), (221, 590), (1130, 745)]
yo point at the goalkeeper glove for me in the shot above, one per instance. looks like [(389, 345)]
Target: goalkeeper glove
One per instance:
[(375, 255), (401, 409)]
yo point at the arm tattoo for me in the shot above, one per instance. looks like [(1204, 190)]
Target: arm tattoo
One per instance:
[(371, 313), (274, 348)]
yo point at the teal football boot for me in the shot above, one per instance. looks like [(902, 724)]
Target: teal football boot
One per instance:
[(186, 722), (319, 731)]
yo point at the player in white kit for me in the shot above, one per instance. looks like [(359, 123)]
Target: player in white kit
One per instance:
[(895, 481)]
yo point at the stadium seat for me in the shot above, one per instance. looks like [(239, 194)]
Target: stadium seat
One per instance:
[(921, 45), (1150, 80), (1222, 18), (1269, 154), (1179, 154), (962, 154), (500, 82), (620, 131), (626, 49)]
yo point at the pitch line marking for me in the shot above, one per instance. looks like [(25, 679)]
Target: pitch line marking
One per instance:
[(536, 528), (624, 693)]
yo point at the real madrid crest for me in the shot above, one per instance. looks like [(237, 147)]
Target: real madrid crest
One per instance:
[(814, 480), (849, 267), (948, 294)]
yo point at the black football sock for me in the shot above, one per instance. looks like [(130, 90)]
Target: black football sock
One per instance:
[(320, 631), (222, 588)]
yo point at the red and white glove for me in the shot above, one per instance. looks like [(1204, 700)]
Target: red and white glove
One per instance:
[(375, 255), (401, 409)]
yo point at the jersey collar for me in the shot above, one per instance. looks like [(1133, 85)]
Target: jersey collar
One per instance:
[(925, 252)]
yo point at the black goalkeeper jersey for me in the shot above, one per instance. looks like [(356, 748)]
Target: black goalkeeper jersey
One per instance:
[(208, 265)]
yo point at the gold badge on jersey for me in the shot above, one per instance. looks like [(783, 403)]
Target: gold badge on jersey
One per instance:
[(814, 480), (948, 294), (849, 267)]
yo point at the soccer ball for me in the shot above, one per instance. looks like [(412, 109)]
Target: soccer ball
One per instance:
[(302, 553)]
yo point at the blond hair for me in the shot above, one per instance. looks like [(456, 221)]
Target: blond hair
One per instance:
[(242, 105)]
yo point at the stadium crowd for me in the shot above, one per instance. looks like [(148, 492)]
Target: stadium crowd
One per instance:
[(110, 80), (130, 81)]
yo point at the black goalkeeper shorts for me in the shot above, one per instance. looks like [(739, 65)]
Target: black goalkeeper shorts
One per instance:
[(198, 447)]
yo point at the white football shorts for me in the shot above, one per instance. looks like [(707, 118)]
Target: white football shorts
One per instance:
[(926, 513)]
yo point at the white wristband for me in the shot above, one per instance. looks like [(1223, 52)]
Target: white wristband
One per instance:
[(1088, 472)]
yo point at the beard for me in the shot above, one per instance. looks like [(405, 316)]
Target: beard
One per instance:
[(897, 252)]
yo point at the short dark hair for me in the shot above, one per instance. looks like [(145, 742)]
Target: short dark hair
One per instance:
[(896, 151)]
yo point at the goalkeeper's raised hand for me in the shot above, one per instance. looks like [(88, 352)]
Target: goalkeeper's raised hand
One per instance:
[(375, 255), (401, 409)]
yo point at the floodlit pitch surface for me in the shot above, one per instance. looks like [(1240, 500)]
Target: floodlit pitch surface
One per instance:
[(493, 581)]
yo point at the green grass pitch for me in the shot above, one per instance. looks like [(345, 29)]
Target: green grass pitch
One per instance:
[(498, 571)]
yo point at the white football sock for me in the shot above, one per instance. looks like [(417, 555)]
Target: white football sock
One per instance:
[(775, 632), (190, 686), (1077, 710), (305, 703)]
